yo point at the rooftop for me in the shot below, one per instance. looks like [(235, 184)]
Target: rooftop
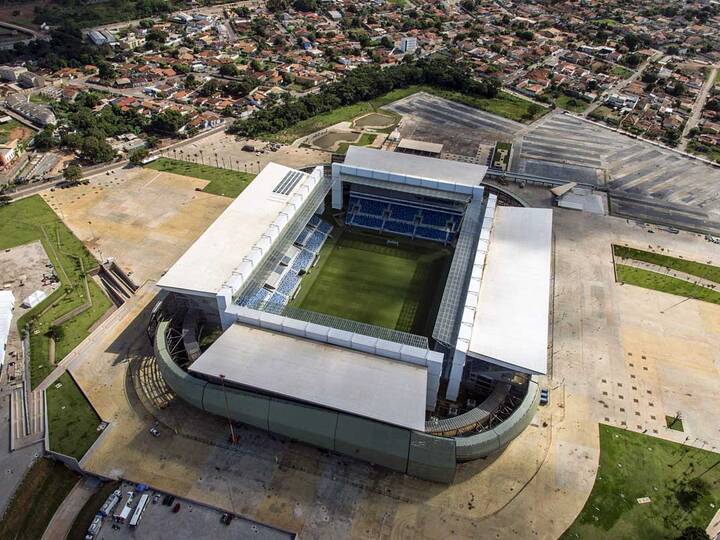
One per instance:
[(454, 172), (211, 260), (512, 320), (318, 373)]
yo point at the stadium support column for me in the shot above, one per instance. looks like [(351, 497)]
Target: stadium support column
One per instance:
[(337, 194), (456, 373)]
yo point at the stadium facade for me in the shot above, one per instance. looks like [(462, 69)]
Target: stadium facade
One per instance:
[(415, 404)]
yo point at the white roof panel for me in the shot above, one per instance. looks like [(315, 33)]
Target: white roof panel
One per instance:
[(318, 373), (210, 261), (455, 172), (511, 326)]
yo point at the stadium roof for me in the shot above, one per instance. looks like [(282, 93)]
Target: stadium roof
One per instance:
[(511, 324), (445, 170), (317, 373), (420, 146), (211, 260)]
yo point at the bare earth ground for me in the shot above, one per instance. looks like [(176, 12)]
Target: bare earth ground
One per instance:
[(229, 147), (616, 358), (144, 219)]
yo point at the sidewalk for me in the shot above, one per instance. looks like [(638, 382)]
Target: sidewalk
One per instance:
[(65, 515), (695, 280)]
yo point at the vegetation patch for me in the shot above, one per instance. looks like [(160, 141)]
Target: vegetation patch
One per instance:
[(674, 422), (30, 220), (682, 483), (87, 513), (72, 421), (706, 151), (364, 140), (223, 182), (663, 283), (570, 103), (702, 270), (44, 487), (620, 71)]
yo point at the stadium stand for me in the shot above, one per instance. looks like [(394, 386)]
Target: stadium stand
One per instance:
[(405, 219), (303, 261), (288, 283), (314, 221), (315, 242)]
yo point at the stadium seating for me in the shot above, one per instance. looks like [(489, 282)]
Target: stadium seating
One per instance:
[(259, 297), (303, 236), (278, 298), (288, 283), (404, 219), (315, 242), (324, 227), (314, 221), (303, 260)]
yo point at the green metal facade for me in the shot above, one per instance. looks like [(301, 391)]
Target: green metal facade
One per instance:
[(419, 454)]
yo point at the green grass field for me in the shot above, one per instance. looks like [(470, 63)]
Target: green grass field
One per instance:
[(620, 71), (6, 128), (72, 421), (504, 104), (663, 283), (360, 278), (706, 271), (570, 103), (29, 220), (683, 484), (365, 139), (222, 181), (44, 487)]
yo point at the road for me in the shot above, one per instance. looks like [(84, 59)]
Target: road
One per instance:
[(698, 107), (621, 84), (65, 515)]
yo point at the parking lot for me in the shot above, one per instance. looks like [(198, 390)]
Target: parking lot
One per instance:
[(459, 128), (191, 521), (644, 180)]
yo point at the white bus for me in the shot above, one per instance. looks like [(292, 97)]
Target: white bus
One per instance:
[(139, 510)]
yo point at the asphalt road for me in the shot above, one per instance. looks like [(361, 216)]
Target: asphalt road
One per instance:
[(698, 107)]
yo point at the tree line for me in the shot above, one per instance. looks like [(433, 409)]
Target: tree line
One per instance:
[(362, 84)]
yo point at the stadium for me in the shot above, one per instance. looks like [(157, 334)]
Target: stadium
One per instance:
[(392, 310)]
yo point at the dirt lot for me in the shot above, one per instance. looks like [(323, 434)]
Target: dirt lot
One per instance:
[(144, 219), (21, 271), (230, 148)]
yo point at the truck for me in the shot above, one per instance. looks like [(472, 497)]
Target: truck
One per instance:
[(110, 504), (125, 509), (139, 509), (94, 527)]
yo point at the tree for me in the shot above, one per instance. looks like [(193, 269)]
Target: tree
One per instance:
[(191, 82), (72, 173), (56, 333), (106, 71), (167, 122), (387, 42), (229, 70), (96, 150), (525, 35), (45, 140), (137, 156), (305, 5), (693, 533)]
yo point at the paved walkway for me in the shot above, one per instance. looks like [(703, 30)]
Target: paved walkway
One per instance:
[(695, 280), (65, 515)]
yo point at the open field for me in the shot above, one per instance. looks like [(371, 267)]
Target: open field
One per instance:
[(72, 421), (29, 220), (14, 130), (698, 269), (42, 490), (505, 105), (659, 282), (364, 140), (362, 279), (682, 482), (144, 219), (223, 182), (570, 103)]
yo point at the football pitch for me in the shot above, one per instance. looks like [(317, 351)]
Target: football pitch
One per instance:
[(362, 278)]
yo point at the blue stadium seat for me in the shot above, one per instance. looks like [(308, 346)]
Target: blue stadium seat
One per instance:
[(303, 236), (315, 242), (288, 283), (400, 227), (303, 260), (314, 220), (403, 213), (430, 233), (370, 222), (324, 227), (278, 298)]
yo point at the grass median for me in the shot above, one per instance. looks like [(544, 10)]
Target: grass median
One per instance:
[(667, 284), (702, 270)]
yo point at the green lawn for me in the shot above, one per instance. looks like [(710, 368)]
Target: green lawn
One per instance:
[(620, 71), (703, 150), (222, 181), (570, 103), (504, 104), (30, 220), (361, 278), (702, 270), (6, 128), (44, 487), (72, 421), (667, 284), (674, 423), (683, 484), (365, 140)]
